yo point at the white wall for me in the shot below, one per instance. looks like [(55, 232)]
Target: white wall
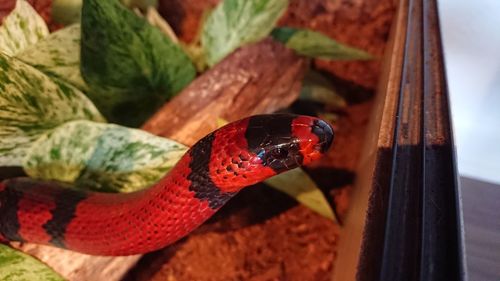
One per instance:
[(471, 39)]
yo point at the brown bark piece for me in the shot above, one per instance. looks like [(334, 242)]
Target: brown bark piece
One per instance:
[(80, 267), (260, 78)]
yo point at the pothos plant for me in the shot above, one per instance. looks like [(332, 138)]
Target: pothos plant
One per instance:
[(58, 90)]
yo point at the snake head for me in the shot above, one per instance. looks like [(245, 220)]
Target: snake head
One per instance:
[(284, 141), (255, 148)]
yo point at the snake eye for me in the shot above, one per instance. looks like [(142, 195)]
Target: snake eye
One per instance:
[(279, 153)]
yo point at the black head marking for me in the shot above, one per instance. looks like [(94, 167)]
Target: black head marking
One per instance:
[(268, 129), (270, 137)]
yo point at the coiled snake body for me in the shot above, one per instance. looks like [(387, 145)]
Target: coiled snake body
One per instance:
[(239, 154)]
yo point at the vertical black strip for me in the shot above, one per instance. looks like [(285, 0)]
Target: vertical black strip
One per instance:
[(66, 202), (201, 182), (443, 256), (401, 254), (9, 222), (423, 230)]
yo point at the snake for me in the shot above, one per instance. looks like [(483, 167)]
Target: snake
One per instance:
[(239, 154)]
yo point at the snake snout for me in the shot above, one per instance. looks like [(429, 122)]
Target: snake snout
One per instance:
[(324, 132)]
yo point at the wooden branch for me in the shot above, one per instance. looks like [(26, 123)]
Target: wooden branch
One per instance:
[(260, 78)]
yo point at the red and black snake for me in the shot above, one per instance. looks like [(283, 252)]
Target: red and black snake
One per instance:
[(239, 154)]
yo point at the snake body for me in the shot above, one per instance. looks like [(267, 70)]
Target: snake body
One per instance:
[(239, 154)]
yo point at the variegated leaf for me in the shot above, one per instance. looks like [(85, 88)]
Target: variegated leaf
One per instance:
[(21, 28), (317, 45), (234, 23), (58, 55), (31, 104), (102, 157), (300, 186), (17, 266), (131, 67)]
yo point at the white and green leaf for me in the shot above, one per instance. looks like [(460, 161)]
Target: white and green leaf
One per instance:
[(21, 28), (234, 23), (31, 103), (58, 55), (317, 45), (131, 67), (300, 186), (17, 266), (102, 157)]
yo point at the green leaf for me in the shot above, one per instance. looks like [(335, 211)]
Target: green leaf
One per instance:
[(317, 45), (234, 23), (17, 266), (316, 87), (102, 157), (21, 28), (66, 11), (283, 34), (31, 104), (58, 55), (131, 67), (300, 186)]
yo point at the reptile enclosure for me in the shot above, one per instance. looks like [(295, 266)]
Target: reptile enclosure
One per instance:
[(390, 176)]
